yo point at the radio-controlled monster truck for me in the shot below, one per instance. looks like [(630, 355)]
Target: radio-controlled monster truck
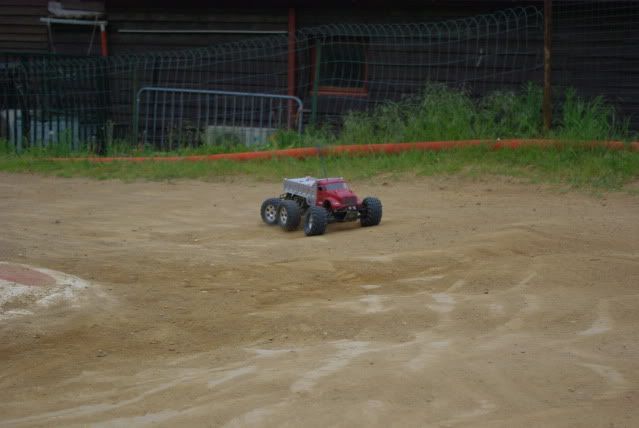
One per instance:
[(319, 201)]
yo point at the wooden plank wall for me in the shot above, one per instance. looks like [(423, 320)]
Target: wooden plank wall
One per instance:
[(192, 18), (20, 26), (22, 31)]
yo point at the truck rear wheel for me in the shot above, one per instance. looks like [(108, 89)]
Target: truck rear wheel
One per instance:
[(268, 211), (289, 215), (372, 212), (316, 221)]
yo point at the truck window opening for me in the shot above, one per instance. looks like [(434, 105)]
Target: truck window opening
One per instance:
[(336, 186)]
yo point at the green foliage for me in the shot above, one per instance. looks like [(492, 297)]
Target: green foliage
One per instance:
[(572, 164), (510, 115), (5, 147), (441, 113), (583, 120)]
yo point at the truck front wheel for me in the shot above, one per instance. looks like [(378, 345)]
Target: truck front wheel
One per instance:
[(289, 215), (316, 221), (372, 212)]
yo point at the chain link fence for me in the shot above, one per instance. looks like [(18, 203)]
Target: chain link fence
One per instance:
[(51, 99), (595, 50)]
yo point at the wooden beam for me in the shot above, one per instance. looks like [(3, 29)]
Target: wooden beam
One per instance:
[(292, 28)]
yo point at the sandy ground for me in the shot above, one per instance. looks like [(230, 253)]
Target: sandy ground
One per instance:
[(473, 304)]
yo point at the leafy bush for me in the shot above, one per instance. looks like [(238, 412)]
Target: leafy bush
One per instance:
[(589, 120)]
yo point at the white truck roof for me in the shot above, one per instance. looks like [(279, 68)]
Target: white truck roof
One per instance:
[(306, 187), (305, 181)]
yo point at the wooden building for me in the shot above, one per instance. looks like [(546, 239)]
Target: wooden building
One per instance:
[(143, 25), (594, 46)]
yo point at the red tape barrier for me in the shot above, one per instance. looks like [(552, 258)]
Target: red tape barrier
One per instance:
[(388, 148)]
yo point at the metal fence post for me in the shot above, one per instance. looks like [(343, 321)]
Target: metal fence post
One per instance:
[(135, 104), (316, 76), (136, 114), (547, 103)]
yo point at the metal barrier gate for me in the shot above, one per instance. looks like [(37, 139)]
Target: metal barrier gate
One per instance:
[(173, 118)]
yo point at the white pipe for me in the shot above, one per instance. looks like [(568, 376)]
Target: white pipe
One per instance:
[(201, 31), (73, 21)]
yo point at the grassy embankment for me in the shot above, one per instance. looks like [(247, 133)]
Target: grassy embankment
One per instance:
[(440, 114)]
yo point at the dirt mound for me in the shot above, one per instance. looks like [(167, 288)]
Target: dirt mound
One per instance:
[(25, 289)]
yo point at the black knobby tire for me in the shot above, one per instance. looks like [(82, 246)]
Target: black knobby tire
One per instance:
[(289, 215), (316, 221), (372, 212), (269, 209)]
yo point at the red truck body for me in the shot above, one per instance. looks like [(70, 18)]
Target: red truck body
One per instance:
[(334, 194)]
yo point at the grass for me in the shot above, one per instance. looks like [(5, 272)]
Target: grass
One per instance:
[(576, 166), (439, 114)]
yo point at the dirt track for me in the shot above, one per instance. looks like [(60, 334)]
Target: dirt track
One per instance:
[(472, 304)]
